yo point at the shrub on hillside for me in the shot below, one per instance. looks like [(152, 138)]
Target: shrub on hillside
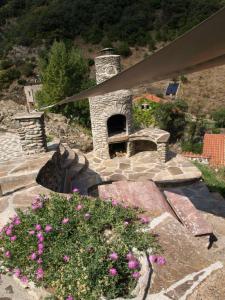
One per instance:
[(123, 49), (170, 116), (79, 246), (219, 118), (5, 64)]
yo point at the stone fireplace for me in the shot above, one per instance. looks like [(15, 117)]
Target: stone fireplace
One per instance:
[(111, 119), (111, 114)]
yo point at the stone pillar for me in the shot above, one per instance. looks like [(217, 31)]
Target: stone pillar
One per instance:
[(31, 129), (162, 149)]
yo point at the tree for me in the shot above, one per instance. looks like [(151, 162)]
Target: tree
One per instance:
[(219, 118), (63, 73), (171, 117)]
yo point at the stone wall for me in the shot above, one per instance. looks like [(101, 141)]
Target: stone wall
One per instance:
[(103, 107), (31, 129)]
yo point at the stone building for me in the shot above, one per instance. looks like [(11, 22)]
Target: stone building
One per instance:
[(111, 118)]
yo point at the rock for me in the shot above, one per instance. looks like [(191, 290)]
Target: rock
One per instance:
[(188, 214)]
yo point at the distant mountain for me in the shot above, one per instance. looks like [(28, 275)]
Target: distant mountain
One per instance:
[(137, 22)]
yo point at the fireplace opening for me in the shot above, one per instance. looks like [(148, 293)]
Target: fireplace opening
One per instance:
[(118, 149), (116, 125), (143, 145)]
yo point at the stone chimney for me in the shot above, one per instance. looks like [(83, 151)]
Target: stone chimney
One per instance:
[(111, 114)]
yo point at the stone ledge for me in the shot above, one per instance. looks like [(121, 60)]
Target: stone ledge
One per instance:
[(28, 116)]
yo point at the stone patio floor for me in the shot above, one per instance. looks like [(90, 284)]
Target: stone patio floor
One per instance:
[(142, 166)]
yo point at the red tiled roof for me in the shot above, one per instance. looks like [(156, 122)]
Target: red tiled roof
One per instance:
[(150, 97), (214, 146)]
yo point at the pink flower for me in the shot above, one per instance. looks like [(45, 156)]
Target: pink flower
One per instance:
[(69, 297), (113, 272), (130, 256), (39, 261), (13, 238), (113, 256), (87, 216), (136, 275), (37, 197), (31, 232), (40, 246), (17, 272), (65, 220), (7, 254), (8, 232), (38, 227), (152, 259), (161, 261), (126, 223), (48, 228), (144, 220), (33, 256), (39, 273), (40, 237), (79, 207), (66, 258), (133, 264), (115, 203), (24, 280), (75, 190), (17, 221), (40, 251)]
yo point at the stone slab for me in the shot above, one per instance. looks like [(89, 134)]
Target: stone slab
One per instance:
[(145, 195), (188, 214), (184, 256)]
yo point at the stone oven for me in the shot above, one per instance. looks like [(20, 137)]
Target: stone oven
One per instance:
[(111, 114), (111, 119)]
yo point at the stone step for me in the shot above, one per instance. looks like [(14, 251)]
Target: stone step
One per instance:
[(188, 215), (11, 184)]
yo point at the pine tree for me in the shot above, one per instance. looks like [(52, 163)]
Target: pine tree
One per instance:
[(63, 74)]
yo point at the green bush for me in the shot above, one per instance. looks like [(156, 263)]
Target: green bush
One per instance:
[(170, 116), (219, 118), (192, 147), (5, 64), (216, 131), (214, 180), (76, 245), (27, 69), (144, 117), (8, 76), (22, 82), (123, 49)]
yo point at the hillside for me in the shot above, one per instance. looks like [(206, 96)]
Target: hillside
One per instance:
[(143, 22), (28, 28)]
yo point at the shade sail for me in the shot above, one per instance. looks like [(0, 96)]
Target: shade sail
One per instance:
[(200, 48)]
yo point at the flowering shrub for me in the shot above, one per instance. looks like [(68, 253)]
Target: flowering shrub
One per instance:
[(78, 246)]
